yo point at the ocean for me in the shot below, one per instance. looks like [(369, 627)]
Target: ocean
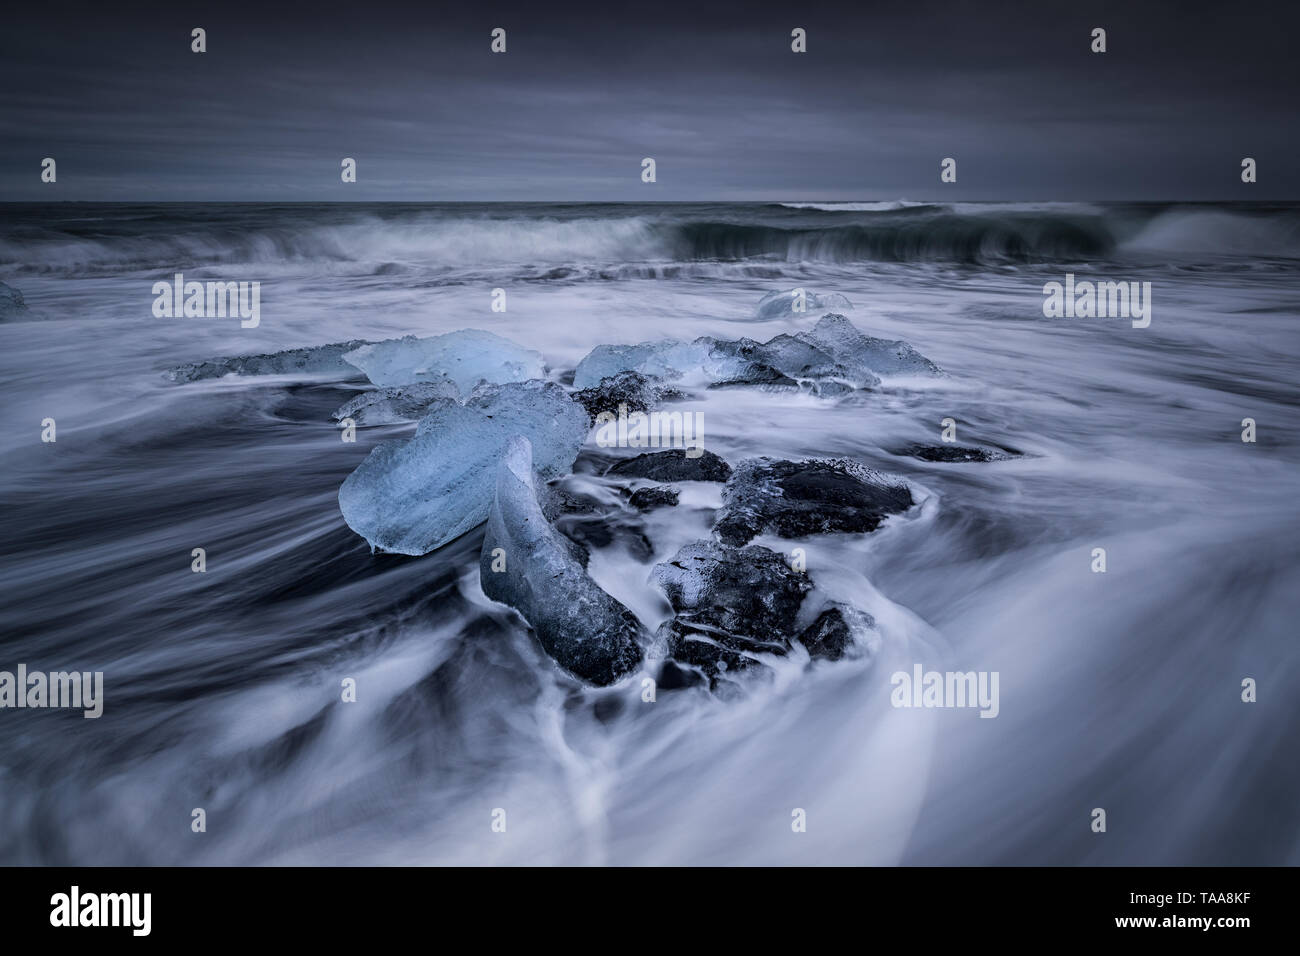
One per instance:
[(1119, 690)]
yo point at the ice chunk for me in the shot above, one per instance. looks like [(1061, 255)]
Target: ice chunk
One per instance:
[(530, 566), (783, 352), (671, 359), (783, 360), (313, 360), (396, 403), (466, 358), (838, 337), (829, 358), (774, 305), (705, 359), (412, 496)]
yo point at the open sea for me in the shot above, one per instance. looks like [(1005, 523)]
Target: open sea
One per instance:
[(1119, 690)]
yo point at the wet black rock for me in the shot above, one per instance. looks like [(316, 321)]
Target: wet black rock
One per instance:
[(674, 677), (648, 499), (637, 392), (731, 603), (794, 499), (588, 523), (557, 501), (952, 453), (831, 635), (597, 533), (672, 465)]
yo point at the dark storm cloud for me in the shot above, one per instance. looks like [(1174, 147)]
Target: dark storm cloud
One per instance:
[(714, 95)]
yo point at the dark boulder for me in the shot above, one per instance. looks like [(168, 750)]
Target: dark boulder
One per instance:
[(672, 465), (731, 603), (637, 392), (952, 453), (794, 499), (652, 497), (831, 635)]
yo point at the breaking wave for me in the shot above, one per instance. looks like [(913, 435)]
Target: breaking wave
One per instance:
[(633, 240), (1218, 232)]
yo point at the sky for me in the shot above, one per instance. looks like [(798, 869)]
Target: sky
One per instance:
[(711, 91)]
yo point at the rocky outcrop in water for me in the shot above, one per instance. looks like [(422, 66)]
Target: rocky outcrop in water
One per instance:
[(730, 603), (630, 390), (833, 633), (648, 499), (795, 499), (952, 453), (672, 465), (735, 605)]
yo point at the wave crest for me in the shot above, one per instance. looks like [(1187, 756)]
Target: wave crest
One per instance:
[(615, 241)]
